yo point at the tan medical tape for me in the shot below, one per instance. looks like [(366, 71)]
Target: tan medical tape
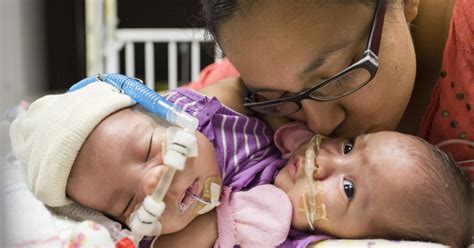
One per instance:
[(319, 220), (313, 201), (211, 192)]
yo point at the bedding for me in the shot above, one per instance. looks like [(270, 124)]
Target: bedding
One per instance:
[(31, 224), (28, 223)]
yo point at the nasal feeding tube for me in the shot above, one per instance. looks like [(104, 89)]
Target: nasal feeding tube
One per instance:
[(314, 200), (181, 143), (309, 167)]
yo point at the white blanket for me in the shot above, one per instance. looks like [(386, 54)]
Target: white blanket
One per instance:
[(28, 223)]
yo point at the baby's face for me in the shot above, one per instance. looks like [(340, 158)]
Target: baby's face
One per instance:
[(359, 182), (121, 162)]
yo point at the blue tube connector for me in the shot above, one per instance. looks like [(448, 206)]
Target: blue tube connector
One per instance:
[(149, 99)]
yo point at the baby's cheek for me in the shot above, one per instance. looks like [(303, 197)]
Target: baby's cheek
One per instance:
[(317, 215), (324, 211), (172, 224), (298, 220)]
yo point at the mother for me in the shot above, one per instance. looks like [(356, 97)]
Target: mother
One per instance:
[(347, 67)]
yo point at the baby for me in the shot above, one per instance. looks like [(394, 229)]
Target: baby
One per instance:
[(377, 185), (381, 185)]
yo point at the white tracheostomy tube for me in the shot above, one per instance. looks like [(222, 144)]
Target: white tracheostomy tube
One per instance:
[(179, 145), (313, 199)]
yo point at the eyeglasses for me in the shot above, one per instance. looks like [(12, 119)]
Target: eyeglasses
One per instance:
[(342, 84)]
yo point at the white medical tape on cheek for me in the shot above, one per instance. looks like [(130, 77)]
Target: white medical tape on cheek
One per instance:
[(145, 219), (212, 185), (180, 145)]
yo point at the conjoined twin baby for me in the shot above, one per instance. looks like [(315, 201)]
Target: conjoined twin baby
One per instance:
[(289, 188)]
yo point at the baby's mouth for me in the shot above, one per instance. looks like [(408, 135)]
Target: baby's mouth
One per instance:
[(189, 197)]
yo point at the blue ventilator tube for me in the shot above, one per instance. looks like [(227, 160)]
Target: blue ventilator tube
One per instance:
[(144, 96)]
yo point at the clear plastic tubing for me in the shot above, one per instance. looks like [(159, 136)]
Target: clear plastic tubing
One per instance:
[(163, 186), (144, 96)]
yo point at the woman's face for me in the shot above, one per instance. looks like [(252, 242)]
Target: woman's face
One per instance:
[(284, 47), (121, 162)]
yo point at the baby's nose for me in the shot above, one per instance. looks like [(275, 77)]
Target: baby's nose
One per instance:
[(151, 178), (327, 162), (323, 169)]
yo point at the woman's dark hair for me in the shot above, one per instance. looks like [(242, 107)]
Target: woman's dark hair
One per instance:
[(216, 12)]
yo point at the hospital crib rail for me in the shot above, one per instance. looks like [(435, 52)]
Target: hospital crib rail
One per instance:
[(177, 41)]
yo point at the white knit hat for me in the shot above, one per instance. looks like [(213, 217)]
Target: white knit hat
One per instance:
[(49, 135)]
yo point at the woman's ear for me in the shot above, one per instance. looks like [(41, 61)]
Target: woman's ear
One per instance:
[(410, 8)]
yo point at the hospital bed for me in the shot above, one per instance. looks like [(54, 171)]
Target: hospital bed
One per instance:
[(30, 223)]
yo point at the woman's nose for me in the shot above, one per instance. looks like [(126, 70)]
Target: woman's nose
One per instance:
[(322, 117)]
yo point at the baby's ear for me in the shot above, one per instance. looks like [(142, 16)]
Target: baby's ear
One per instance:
[(290, 136)]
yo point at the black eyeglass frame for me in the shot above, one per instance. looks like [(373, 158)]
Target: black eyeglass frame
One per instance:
[(369, 61)]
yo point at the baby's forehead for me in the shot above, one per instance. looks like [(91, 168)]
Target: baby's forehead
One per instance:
[(402, 166), (133, 116), (394, 145), (393, 137)]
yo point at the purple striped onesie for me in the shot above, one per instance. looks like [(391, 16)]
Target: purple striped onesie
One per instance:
[(244, 145)]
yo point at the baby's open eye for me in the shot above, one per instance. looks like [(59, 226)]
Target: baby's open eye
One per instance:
[(348, 147), (349, 188)]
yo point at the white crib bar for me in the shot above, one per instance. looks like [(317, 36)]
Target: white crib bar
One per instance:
[(129, 37), (217, 54), (161, 35), (129, 59), (185, 61), (112, 59), (94, 36), (172, 65), (150, 65), (195, 60)]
